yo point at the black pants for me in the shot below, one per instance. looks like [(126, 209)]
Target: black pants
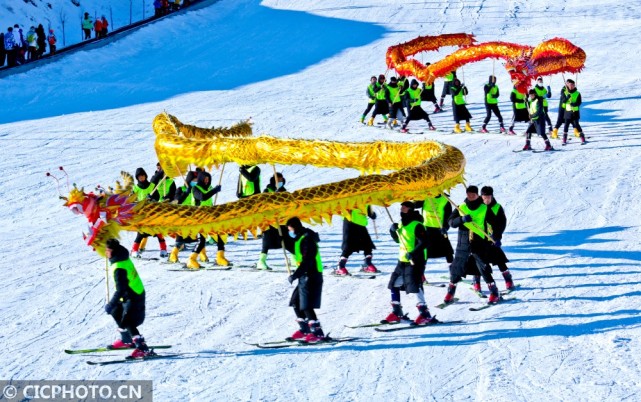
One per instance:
[(129, 316), (417, 113), (536, 126), (87, 33), (484, 269), (396, 107), (560, 118), (368, 108), (574, 121), (489, 109), (547, 116), (381, 108)]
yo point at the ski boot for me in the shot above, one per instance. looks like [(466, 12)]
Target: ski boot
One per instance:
[(494, 294), (583, 141), (341, 271), (548, 146), (511, 131), (370, 122), (173, 257), (203, 255), (468, 127), (221, 260), (125, 341), (555, 133), (509, 284), (484, 130), (135, 251), (502, 130), (424, 316), (476, 284), (527, 146), (457, 129), (163, 254), (192, 263), (396, 315), (142, 350), (362, 120), (316, 333), (302, 332), (577, 133), (431, 127), (437, 109), (262, 262), (368, 266), (404, 130), (449, 296), (565, 139), (143, 243)]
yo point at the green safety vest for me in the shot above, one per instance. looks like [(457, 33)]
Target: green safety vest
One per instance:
[(428, 87), (380, 95), (142, 193), (490, 96), (358, 217), (370, 89), (533, 107), (205, 203), (190, 198), (298, 256), (246, 186), (478, 218), (542, 92), (164, 189), (520, 99), (572, 98), (449, 77), (135, 283), (415, 96), (434, 212), (407, 240), (394, 94), (459, 99)]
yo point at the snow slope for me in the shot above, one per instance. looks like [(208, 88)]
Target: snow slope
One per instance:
[(299, 69)]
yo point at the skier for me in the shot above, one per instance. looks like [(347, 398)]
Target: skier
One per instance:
[(519, 109), (127, 305), (309, 272), (447, 85), (492, 104), (382, 101), (248, 181), (471, 244), (52, 42), (428, 95), (537, 122), (416, 111), (164, 190), (561, 112), (183, 196), (572, 115), (397, 94), (357, 238), (496, 255), (87, 26), (143, 190), (202, 194), (370, 92), (408, 274), (459, 110), (436, 210), (271, 238), (545, 94)]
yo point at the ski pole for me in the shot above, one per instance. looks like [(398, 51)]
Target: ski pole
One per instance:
[(220, 180), (477, 227), (280, 231)]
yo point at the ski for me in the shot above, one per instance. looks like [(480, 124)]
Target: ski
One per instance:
[(132, 360), (478, 293), (521, 150), (203, 267), (109, 349), (443, 305), (354, 276), (429, 324), (289, 344), (378, 324), (539, 151), (436, 285), (488, 305)]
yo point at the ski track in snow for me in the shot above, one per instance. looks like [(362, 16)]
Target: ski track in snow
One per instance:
[(572, 235)]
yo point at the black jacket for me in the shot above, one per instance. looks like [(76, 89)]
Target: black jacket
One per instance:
[(308, 250), (253, 176), (417, 255), (499, 221), (156, 179), (200, 196)]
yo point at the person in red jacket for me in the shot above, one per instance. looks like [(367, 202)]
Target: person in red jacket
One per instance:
[(97, 27), (105, 26)]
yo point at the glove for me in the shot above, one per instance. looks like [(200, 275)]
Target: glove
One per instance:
[(373, 216), (444, 231), (108, 308), (291, 279), (394, 227), (549, 90), (217, 188), (497, 243), (408, 256), (466, 218)]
